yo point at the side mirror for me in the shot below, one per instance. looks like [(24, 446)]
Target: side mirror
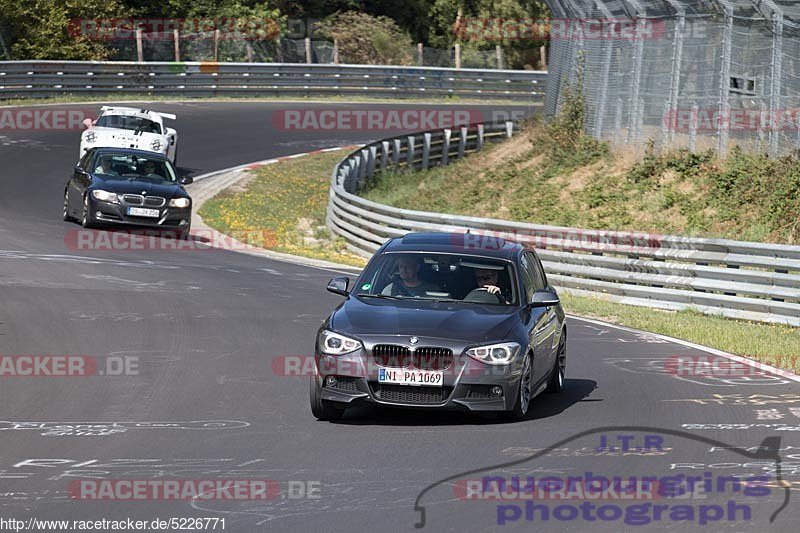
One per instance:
[(80, 171), (339, 285), (186, 180), (544, 299), (87, 123)]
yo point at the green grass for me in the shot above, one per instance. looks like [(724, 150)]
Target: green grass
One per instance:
[(273, 204), (769, 343)]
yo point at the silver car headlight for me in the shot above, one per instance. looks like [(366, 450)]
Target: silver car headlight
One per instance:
[(105, 196), (495, 354), (180, 202), (331, 343)]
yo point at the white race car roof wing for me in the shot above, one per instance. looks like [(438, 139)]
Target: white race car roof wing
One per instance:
[(136, 111)]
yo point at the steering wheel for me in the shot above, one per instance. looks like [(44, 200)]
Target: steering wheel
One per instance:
[(482, 295)]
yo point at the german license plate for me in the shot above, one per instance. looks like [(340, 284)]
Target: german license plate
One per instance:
[(410, 376), (143, 212)]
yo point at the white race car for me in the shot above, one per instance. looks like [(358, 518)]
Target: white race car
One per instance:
[(127, 127)]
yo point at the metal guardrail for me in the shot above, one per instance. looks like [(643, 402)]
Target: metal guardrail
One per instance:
[(35, 79), (741, 280)]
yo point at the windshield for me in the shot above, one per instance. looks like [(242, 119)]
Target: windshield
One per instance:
[(126, 122), (127, 166), (432, 276)]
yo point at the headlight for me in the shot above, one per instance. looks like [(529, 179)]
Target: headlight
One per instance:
[(105, 196), (155, 145), (331, 343), (180, 202), (495, 354), (90, 137)]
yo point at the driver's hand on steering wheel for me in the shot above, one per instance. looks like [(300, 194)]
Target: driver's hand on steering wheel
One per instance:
[(492, 289)]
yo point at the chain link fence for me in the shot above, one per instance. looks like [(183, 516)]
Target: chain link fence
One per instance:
[(204, 46), (701, 74)]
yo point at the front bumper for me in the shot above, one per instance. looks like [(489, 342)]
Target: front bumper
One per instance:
[(113, 213), (467, 383)]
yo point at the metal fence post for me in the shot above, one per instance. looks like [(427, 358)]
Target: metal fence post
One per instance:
[(139, 49), (373, 156), (637, 80), (509, 129), (777, 73), (618, 121), (410, 154), (479, 146), (426, 150), (384, 154), (446, 133), (462, 142), (725, 81), (601, 103), (677, 63), (693, 128), (395, 152)]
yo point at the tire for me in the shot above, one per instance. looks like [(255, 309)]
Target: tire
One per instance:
[(321, 409), (524, 392), (556, 383), (66, 216), (87, 219)]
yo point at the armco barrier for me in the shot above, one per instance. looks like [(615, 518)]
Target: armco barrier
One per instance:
[(36, 79), (743, 280)]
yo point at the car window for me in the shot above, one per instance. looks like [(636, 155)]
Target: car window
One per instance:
[(126, 122), (527, 276), (128, 166), (537, 272), (541, 270), (433, 276), (84, 161)]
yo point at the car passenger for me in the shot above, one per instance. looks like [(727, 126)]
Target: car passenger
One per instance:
[(408, 283), (105, 167)]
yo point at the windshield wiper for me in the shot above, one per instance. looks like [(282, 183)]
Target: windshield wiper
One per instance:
[(383, 296)]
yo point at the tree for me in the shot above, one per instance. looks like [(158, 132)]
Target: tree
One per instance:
[(366, 39), (42, 29)]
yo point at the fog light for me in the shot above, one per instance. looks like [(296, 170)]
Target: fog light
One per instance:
[(98, 214), (330, 381), (497, 390)]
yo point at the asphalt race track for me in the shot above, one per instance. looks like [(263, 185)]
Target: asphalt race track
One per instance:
[(209, 404)]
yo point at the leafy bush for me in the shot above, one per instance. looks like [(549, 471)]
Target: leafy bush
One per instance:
[(365, 39)]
